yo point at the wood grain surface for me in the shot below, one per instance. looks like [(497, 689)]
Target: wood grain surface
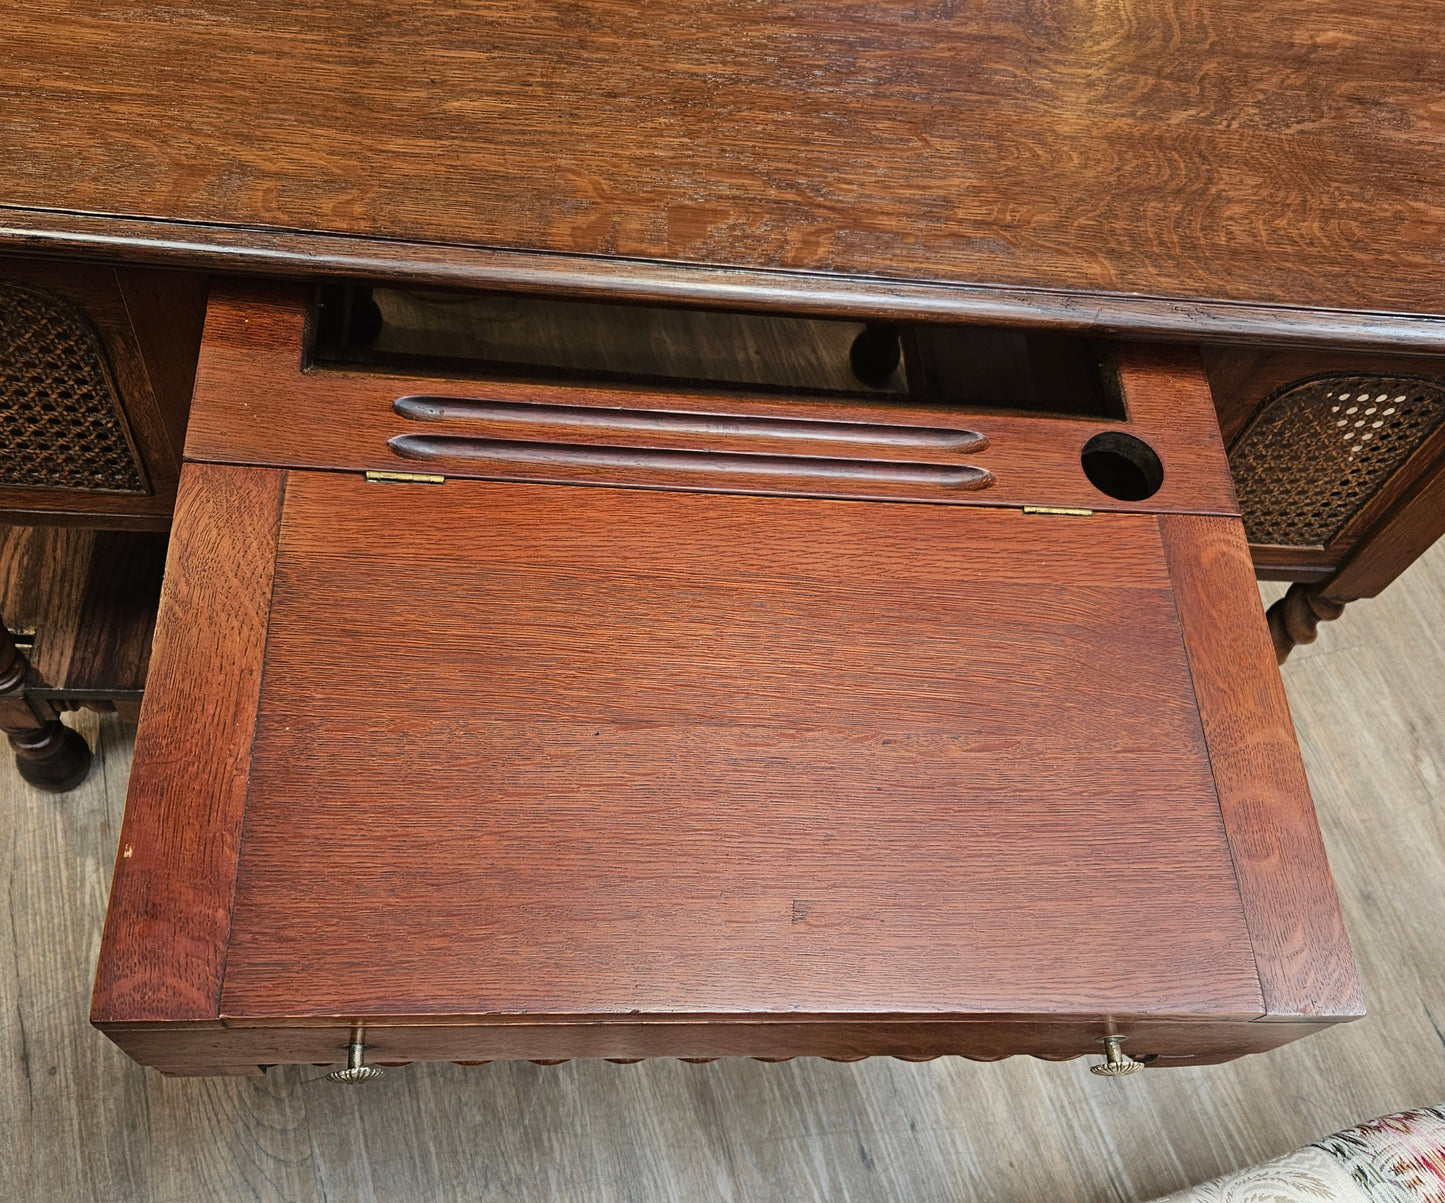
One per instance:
[(663, 754), (1300, 947), (242, 1047), (167, 311), (42, 591), (236, 250), (164, 955), (254, 404), (91, 1124), (1199, 150), (831, 728), (115, 626), (1401, 536), (86, 602)]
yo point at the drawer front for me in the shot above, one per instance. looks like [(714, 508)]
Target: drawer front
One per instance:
[(496, 767), (237, 1048), (96, 368), (258, 403)]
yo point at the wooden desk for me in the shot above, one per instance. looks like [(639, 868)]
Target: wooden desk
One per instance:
[(1247, 177), (651, 722), (1261, 182)]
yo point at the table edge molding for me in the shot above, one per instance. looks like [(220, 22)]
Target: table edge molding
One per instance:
[(281, 252)]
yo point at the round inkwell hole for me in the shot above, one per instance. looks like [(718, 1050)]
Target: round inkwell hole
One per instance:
[(1122, 466)]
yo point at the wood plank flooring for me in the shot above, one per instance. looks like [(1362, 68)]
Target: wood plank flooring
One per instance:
[(81, 1122)]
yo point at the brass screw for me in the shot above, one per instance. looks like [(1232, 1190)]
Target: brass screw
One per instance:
[(355, 1072), (1117, 1062)]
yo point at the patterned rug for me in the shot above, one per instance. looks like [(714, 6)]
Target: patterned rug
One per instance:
[(1395, 1159)]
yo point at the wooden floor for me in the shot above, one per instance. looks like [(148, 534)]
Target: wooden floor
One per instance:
[(79, 1121)]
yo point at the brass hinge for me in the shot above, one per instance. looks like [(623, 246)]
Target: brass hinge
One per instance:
[(405, 478), (1061, 510)]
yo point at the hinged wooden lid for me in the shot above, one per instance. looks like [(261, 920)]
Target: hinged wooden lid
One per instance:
[(499, 753)]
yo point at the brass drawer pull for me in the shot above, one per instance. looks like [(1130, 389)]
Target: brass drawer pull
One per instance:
[(1117, 1063), (355, 1072)]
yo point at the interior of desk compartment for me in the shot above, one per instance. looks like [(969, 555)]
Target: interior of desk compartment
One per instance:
[(577, 341)]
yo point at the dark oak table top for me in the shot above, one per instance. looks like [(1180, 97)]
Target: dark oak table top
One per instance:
[(1211, 168)]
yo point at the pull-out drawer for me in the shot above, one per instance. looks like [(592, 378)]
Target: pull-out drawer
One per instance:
[(672, 726)]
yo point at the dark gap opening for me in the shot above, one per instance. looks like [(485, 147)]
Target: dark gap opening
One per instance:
[(1122, 466), (514, 337)]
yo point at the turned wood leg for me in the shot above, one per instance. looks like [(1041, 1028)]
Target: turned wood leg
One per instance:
[(48, 754), (1296, 618)]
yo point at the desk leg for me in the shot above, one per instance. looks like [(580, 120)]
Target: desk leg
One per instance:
[(1296, 617), (48, 754)]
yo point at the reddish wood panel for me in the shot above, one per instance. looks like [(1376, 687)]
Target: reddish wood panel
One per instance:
[(254, 404), (42, 590), (1210, 149), (89, 598), (243, 1049), (1241, 378), (115, 625), (528, 750), (549, 771), (164, 949), (167, 311), (1305, 967), (1398, 540)]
